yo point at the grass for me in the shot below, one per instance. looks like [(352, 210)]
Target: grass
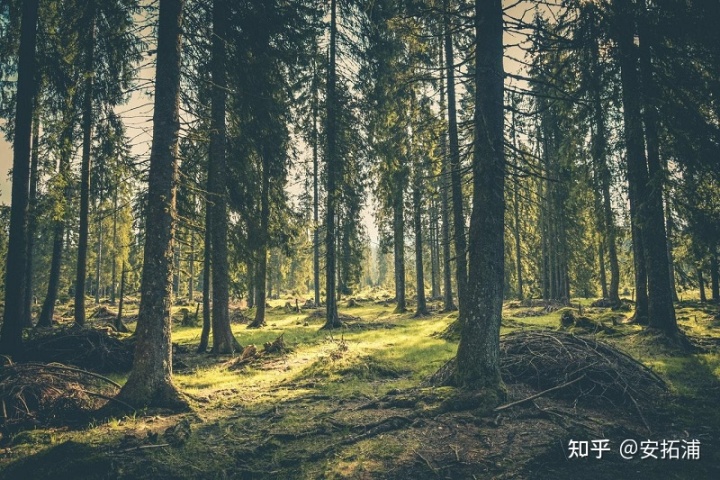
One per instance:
[(289, 415)]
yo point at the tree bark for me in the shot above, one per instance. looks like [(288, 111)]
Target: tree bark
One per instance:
[(660, 298), (714, 276), (316, 198), (87, 126), (32, 223), (448, 303), (332, 320), (261, 263), (223, 340), (454, 150), (207, 272), (119, 325), (421, 308), (701, 284), (11, 332), (636, 161), (479, 349), (150, 381), (113, 272), (399, 242), (48, 309)]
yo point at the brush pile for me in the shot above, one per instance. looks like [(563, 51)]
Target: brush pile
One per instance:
[(545, 359), (93, 349), (38, 394)]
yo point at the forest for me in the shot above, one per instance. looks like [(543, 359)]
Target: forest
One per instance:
[(360, 239)]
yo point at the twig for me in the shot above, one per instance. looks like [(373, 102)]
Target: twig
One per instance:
[(58, 366), (110, 399), (143, 447), (427, 462), (533, 397)]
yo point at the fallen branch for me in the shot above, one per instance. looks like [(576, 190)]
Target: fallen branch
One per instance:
[(540, 394)]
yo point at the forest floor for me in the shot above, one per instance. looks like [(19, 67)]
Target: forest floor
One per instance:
[(351, 404)]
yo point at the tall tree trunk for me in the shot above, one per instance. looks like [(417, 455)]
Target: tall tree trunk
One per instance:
[(448, 303), (223, 340), (119, 325), (714, 276), (333, 167), (417, 226), (479, 349), (87, 126), (599, 154), (434, 250), (316, 198), (150, 381), (660, 299), (454, 150), (11, 332), (399, 242), (191, 268), (701, 284), (206, 273), (98, 259), (636, 162), (516, 209), (63, 171), (603, 274), (32, 223), (262, 247), (251, 281), (113, 271)]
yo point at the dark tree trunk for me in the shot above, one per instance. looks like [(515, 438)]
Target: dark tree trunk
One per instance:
[(119, 325), (599, 153), (454, 150), (11, 332), (333, 166), (316, 198), (399, 242), (32, 223), (701, 285), (191, 268), (98, 258), (207, 272), (714, 277), (516, 211), (223, 340), (48, 308), (434, 250), (660, 298), (113, 272), (150, 380), (251, 280), (417, 226), (603, 274), (479, 350), (87, 125), (261, 275), (448, 303), (636, 162)]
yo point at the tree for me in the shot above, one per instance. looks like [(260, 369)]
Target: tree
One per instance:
[(11, 332), (645, 192), (223, 340), (455, 168), (479, 349), (332, 319), (150, 380)]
